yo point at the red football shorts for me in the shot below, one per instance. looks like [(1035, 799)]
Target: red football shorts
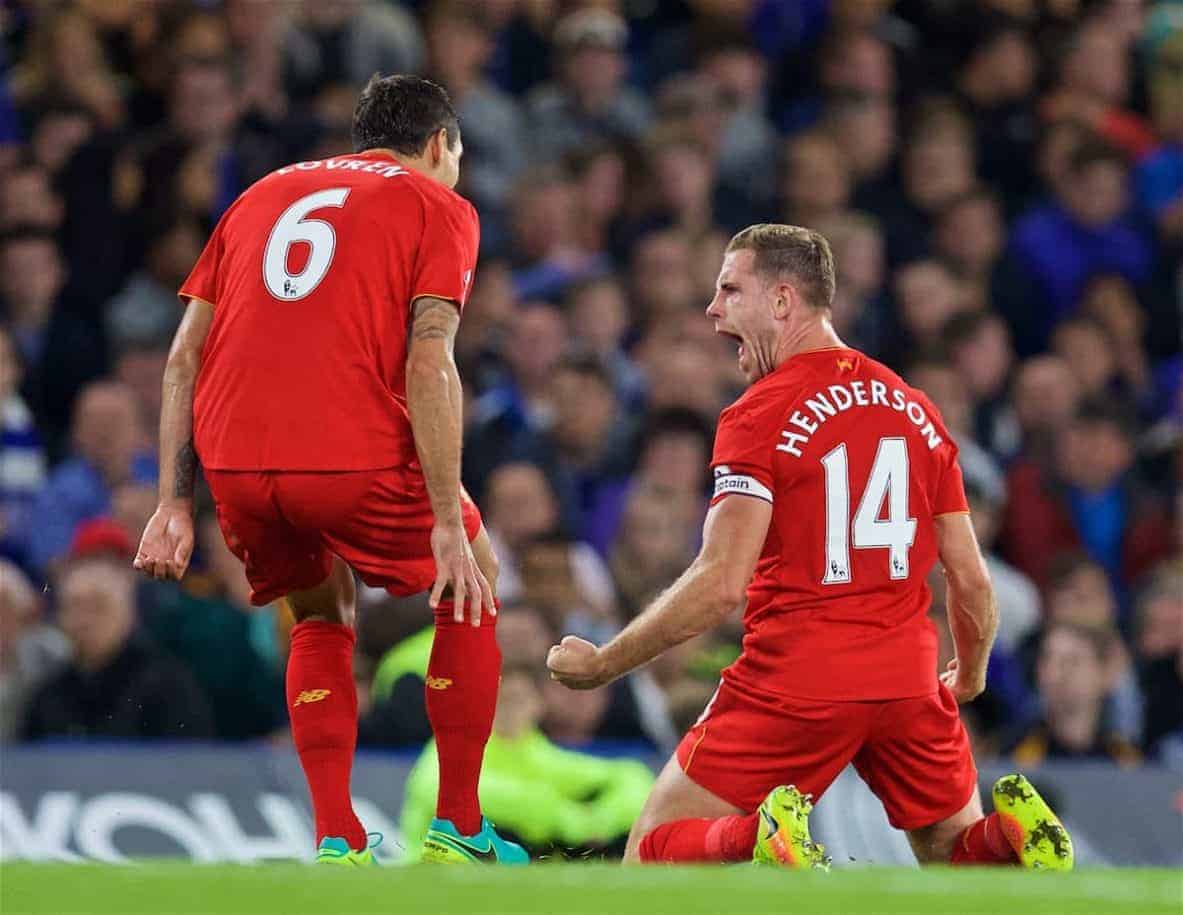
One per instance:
[(285, 526), (914, 754)]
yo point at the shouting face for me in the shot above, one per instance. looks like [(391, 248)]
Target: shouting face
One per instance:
[(743, 309)]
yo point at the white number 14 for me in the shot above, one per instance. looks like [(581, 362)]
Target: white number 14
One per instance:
[(889, 478)]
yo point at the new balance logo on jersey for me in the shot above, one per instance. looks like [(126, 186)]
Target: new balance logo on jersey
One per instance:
[(309, 696), (438, 682)]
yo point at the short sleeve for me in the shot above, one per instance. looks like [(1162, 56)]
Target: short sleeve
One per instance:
[(949, 497), (742, 459), (948, 485), (447, 251), (202, 282)]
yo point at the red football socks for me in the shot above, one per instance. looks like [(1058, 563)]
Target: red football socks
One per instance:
[(983, 843), (322, 705), (727, 839), (461, 688)]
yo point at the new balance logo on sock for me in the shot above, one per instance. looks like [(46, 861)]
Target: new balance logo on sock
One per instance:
[(438, 682), (311, 695)]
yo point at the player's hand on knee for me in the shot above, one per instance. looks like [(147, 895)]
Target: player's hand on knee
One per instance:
[(167, 544), (456, 567), (577, 664)]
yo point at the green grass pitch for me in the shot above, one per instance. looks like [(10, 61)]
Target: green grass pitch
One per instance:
[(285, 889)]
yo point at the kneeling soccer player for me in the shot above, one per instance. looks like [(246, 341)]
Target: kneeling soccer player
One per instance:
[(837, 488)]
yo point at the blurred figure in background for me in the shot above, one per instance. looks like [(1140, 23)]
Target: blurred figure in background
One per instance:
[(588, 96), (22, 456), (30, 650), (1077, 668), (118, 683), (108, 449)]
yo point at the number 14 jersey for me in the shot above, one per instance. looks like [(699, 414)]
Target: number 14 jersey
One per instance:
[(856, 464), (312, 273)]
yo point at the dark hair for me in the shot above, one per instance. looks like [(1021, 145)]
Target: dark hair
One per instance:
[(402, 113), (680, 421), (586, 365), (1103, 411), (1100, 639), (964, 326), (791, 251)]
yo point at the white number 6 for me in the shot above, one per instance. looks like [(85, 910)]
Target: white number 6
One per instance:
[(293, 227)]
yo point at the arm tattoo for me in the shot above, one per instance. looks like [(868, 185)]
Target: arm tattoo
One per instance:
[(184, 471), (434, 319)]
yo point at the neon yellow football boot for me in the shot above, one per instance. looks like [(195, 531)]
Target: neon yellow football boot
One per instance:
[(336, 851), (1033, 830), (445, 844), (782, 835)]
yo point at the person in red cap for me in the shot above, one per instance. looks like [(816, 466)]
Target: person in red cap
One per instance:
[(118, 683)]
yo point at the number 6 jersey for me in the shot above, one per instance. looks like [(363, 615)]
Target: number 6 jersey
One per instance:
[(312, 273), (856, 464)]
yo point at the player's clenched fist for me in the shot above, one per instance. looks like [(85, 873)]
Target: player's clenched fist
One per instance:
[(963, 689), (167, 544), (577, 664)]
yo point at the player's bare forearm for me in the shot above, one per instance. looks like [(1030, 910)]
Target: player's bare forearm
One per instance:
[(434, 403), (178, 459), (702, 597), (973, 612), (697, 602), (973, 623)]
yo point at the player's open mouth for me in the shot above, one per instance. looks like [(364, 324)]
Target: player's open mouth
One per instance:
[(736, 337)]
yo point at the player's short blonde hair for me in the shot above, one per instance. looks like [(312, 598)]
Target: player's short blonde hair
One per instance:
[(791, 252)]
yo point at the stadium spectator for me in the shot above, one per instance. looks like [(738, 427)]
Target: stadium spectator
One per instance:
[(927, 294), (146, 309), (661, 275), (861, 310), (995, 86), (1076, 671), (654, 544), (227, 644), (979, 346), (865, 127), (1159, 177), (1084, 232), (1091, 499), (1160, 657), (27, 198), (949, 390), (588, 97), (347, 41), (586, 449), (1094, 85), (599, 318), (22, 456), (459, 44), (30, 651), (1019, 609), (817, 181), (60, 345), (1046, 395), (506, 421), (118, 683), (108, 449)]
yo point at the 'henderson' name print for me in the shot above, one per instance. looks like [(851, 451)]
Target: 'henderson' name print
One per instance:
[(838, 398)]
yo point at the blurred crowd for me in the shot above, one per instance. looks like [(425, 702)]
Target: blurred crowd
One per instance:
[(1002, 183)]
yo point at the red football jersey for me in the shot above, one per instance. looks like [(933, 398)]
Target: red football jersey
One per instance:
[(856, 464), (311, 274)]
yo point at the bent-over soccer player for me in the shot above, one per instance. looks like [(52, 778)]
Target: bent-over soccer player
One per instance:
[(837, 488), (313, 377)]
